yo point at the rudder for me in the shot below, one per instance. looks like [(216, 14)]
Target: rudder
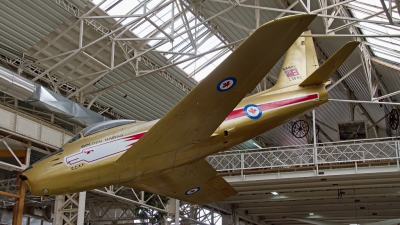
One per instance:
[(300, 61)]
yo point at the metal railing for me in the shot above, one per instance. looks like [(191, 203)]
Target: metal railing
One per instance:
[(360, 151)]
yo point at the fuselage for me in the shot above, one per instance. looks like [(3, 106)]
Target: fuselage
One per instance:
[(88, 162)]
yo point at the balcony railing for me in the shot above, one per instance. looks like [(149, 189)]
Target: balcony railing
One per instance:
[(360, 151)]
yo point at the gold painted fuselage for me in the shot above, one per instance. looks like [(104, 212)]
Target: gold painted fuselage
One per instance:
[(72, 170)]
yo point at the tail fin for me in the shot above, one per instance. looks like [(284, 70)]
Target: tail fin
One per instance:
[(300, 61), (324, 73)]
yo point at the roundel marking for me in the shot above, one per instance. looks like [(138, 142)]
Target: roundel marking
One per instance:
[(252, 111), (192, 191), (226, 84)]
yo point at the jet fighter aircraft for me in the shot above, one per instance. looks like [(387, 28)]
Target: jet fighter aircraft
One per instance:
[(167, 156)]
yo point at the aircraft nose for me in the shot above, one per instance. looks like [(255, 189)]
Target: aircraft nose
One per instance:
[(32, 180)]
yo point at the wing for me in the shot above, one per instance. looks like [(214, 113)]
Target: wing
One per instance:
[(197, 183), (203, 109)]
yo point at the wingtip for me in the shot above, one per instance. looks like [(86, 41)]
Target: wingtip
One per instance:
[(356, 43), (301, 17), (351, 45)]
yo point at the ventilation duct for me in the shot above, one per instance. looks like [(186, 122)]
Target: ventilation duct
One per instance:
[(38, 96)]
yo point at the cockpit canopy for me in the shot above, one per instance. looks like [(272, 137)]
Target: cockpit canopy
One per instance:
[(97, 127)]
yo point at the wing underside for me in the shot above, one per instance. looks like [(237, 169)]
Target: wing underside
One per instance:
[(197, 183)]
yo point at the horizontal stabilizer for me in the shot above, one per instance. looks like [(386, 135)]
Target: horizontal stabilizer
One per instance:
[(324, 72)]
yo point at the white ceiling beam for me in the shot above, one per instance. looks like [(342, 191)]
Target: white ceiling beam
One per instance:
[(332, 6), (367, 102), (230, 21), (162, 68), (185, 21), (389, 17), (112, 16), (288, 8)]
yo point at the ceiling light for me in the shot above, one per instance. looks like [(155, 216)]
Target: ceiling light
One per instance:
[(275, 193), (257, 145), (311, 214)]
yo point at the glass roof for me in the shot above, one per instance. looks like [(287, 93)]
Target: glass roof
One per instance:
[(183, 41), (187, 44), (383, 47)]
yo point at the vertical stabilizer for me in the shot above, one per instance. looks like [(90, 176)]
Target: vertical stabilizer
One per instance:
[(300, 61)]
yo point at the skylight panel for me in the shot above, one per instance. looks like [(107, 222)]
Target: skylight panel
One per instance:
[(182, 42), (384, 50), (209, 44), (122, 8), (387, 48), (374, 28), (208, 69), (106, 4), (360, 4), (143, 29), (359, 14), (151, 4), (386, 56), (385, 43)]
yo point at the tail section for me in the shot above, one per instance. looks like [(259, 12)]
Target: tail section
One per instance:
[(300, 61), (324, 73), (301, 68)]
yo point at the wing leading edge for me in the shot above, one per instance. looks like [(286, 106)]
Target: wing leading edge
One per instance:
[(197, 182), (201, 111)]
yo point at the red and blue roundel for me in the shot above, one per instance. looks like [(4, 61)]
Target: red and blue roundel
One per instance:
[(192, 191), (226, 84), (252, 111)]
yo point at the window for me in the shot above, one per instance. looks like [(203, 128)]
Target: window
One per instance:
[(76, 137)]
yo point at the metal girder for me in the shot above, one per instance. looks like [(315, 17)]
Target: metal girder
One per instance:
[(388, 14), (69, 209), (161, 68), (105, 32)]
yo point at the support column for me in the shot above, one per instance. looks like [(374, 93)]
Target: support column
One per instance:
[(18, 210), (177, 203), (81, 207), (60, 200), (315, 143), (352, 106), (397, 155), (235, 217), (212, 216), (226, 219), (70, 209)]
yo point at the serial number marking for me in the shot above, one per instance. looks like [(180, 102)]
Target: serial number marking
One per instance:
[(78, 166), (294, 78)]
